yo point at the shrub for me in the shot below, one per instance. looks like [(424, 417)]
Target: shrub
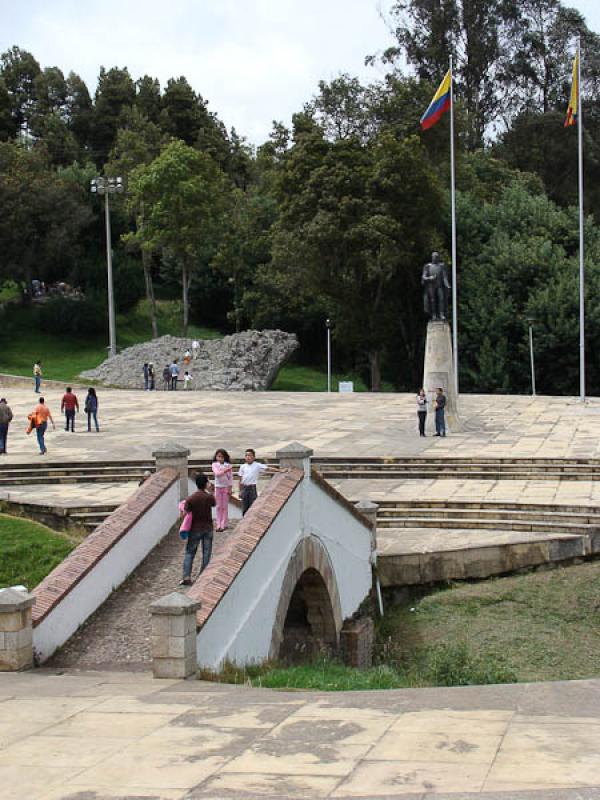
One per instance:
[(455, 665), (73, 316)]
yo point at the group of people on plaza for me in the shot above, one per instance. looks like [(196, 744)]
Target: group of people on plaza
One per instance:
[(197, 525), (171, 372), (439, 404)]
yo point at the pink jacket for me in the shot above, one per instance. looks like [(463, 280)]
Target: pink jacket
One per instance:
[(223, 475)]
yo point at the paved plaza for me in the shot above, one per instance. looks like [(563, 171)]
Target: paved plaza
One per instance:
[(86, 736), (133, 423)]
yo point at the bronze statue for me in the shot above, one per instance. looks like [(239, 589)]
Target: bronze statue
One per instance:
[(434, 280)]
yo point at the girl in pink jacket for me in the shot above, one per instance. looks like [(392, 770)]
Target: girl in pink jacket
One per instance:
[(223, 472)]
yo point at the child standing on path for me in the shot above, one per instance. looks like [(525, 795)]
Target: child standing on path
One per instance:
[(37, 375), (249, 473), (187, 381), (223, 472), (39, 419)]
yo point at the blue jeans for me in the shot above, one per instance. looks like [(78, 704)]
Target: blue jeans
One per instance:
[(40, 431), (38, 381), (3, 436), (70, 420), (193, 541), (93, 414), (440, 422)]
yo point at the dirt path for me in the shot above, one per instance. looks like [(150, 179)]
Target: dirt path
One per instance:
[(118, 635)]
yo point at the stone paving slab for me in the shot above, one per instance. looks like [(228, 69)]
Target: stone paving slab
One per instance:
[(78, 736), (70, 495), (133, 423)]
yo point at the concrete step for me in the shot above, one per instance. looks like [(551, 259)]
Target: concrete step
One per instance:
[(418, 474), (492, 524), (553, 516)]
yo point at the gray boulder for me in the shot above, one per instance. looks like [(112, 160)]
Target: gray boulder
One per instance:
[(243, 362)]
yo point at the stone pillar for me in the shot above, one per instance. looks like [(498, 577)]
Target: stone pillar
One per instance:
[(297, 456), (174, 455), (174, 636), (438, 371), (16, 638), (369, 510)]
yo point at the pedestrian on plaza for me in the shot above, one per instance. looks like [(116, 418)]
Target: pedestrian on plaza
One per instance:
[(37, 375), (174, 375), (422, 411), (440, 407), (195, 348), (167, 378), (187, 381), (69, 405), (151, 376), (200, 505), (91, 409), (38, 419), (249, 473), (146, 377), (6, 416), (223, 472)]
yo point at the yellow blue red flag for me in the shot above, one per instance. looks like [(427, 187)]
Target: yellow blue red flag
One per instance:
[(439, 105), (573, 108)]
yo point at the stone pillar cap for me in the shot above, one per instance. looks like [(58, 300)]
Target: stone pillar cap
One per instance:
[(175, 604), (366, 505), (14, 600), (171, 450), (294, 450)]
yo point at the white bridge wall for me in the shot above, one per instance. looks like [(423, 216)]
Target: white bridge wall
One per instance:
[(241, 626)]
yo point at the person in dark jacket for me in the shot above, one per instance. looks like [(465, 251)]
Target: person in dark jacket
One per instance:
[(440, 410), (6, 416), (91, 409), (200, 505)]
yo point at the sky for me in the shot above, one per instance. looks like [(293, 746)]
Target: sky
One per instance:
[(255, 61)]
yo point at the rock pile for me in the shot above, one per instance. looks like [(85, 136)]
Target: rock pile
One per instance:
[(247, 361)]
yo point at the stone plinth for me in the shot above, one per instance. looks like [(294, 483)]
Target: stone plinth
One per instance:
[(369, 510), (439, 371), (295, 456), (174, 455), (356, 643), (174, 636), (16, 641)]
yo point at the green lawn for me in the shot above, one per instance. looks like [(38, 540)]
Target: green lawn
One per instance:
[(29, 551), (541, 626), (295, 378)]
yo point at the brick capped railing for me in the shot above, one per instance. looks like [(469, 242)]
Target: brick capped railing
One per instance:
[(83, 581)]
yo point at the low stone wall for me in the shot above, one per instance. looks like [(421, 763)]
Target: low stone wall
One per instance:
[(82, 582)]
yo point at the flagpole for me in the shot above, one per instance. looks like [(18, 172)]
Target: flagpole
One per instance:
[(581, 235), (453, 204)]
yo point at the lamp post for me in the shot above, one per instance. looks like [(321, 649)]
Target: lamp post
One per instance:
[(530, 321), (328, 326), (106, 187)]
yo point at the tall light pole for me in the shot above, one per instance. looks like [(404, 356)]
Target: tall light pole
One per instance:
[(328, 326), (530, 321), (106, 187)]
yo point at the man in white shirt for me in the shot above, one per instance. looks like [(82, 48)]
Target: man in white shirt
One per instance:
[(195, 348), (249, 473)]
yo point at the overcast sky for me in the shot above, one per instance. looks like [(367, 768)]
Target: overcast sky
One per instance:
[(253, 60)]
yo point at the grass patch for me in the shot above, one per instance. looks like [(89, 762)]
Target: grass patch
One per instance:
[(9, 291), (296, 378), (65, 357), (28, 551), (539, 626)]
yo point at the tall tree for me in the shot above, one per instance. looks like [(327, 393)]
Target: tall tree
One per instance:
[(19, 69), (148, 99), (114, 94), (184, 194)]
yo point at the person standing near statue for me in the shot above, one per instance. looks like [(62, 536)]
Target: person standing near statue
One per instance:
[(422, 411), (440, 410), (434, 280)]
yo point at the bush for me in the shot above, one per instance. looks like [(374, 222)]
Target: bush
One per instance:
[(455, 665), (73, 316)]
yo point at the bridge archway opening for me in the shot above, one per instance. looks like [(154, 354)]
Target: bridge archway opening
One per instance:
[(309, 629)]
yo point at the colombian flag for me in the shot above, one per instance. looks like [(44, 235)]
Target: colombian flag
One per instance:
[(439, 105), (573, 102)]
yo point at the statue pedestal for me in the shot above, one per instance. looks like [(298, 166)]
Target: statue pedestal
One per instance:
[(439, 371)]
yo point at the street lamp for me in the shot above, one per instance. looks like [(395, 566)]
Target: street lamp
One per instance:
[(106, 187), (530, 322), (328, 326)]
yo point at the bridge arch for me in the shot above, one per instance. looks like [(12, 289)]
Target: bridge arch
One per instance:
[(309, 614)]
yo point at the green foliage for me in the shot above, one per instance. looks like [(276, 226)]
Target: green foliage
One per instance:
[(83, 317), (453, 664), (28, 551)]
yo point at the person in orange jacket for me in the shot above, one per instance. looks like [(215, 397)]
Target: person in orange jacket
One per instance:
[(38, 419)]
